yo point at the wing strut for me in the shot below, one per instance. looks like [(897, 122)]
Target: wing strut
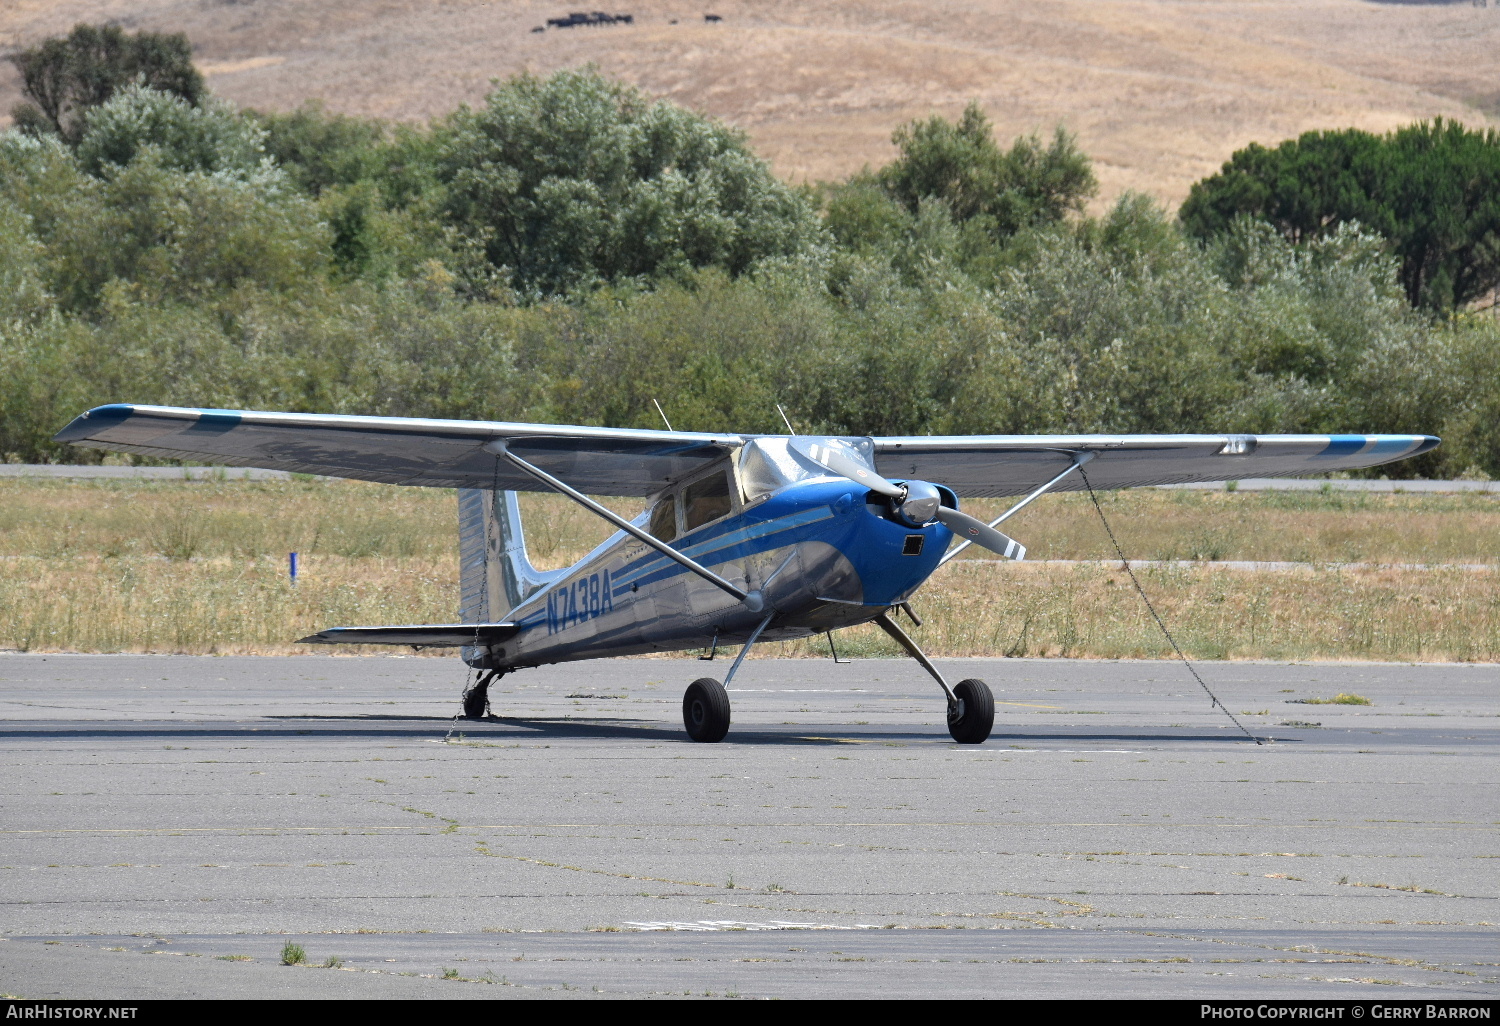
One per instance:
[(1079, 459), (754, 602)]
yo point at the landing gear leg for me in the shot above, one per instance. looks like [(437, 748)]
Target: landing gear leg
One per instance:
[(705, 706), (477, 698), (971, 707)]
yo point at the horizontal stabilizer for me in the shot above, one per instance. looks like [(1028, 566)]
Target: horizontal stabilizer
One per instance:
[(433, 635)]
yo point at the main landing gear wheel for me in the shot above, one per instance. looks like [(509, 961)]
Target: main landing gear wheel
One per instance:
[(705, 710), (973, 715)]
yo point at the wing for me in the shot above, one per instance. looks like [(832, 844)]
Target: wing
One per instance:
[(400, 450), (993, 465)]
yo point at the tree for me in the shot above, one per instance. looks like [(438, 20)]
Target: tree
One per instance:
[(210, 137), (1431, 189), (960, 164), (574, 180), (65, 77), (320, 150), (166, 235)]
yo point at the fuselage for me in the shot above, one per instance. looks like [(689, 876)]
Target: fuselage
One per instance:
[(824, 552)]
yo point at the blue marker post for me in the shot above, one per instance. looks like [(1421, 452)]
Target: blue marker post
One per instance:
[(293, 561)]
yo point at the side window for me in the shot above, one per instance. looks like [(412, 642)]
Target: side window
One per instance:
[(706, 500), (664, 519)]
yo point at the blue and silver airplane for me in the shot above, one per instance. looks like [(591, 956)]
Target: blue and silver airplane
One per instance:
[(746, 538)]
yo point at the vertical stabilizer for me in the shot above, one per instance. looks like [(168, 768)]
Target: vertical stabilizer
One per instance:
[(495, 575)]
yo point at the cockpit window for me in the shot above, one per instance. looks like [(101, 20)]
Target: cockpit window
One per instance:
[(705, 500), (664, 518), (767, 465)]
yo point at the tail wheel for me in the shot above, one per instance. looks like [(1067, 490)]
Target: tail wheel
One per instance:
[(705, 710), (477, 699), (973, 715)]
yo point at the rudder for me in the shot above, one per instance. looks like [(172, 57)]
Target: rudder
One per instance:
[(495, 574)]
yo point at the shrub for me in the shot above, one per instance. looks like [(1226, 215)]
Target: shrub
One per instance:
[(64, 77), (574, 181), (212, 137), (1431, 189)]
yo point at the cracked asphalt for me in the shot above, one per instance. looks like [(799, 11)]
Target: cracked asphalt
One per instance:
[(171, 822)]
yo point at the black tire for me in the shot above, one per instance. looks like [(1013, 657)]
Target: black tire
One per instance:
[(975, 713), (705, 710), (476, 701)]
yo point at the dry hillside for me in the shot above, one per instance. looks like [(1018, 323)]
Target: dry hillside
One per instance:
[(1160, 92)]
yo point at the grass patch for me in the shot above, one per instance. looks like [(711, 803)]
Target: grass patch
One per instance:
[(293, 954), (357, 520), (85, 572), (1342, 698), (1410, 888)]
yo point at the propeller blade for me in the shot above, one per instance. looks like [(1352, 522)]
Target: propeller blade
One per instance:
[(980, 533), (829, 457)]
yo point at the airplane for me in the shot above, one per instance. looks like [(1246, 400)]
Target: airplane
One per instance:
[(747, 537)]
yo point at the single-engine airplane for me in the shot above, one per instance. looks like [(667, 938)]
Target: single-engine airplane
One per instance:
[(747, 537)]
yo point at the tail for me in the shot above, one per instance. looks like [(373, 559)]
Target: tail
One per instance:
[(495, 574)]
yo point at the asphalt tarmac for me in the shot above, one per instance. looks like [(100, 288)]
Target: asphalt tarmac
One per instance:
[(169, 823)]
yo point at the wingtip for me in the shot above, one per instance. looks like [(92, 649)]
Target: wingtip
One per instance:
[(87, 425)]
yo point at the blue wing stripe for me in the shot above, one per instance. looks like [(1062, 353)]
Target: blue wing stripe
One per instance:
[(1344, 445)]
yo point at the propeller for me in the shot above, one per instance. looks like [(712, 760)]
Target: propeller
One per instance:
[(980, 533), (836, 461), (917, 503)]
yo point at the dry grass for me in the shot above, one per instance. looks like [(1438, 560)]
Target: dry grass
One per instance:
[(219, 605), (99, 566), (230, 606), (1090, 611), (1159, 91), (247, 520), (1339, 527)]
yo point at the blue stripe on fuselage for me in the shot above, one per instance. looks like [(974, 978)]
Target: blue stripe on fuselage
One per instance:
[(830, 512), (733, 538), (720, 543)]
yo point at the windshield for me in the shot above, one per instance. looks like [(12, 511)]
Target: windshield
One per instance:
[(766, 465)]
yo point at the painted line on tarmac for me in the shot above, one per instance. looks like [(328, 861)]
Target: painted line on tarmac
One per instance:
[(1266, 566), (721, 925), (801, 824)]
